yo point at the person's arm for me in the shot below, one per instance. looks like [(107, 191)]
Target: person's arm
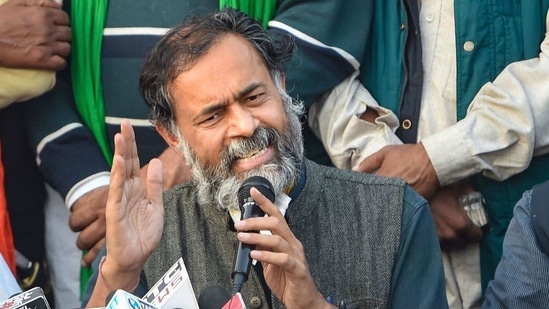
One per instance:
[(66, 151), (330, 38), (418, 278), (505, 125), (69, 158), (340, 121), (34, 36), (522, 276), (134, 219)]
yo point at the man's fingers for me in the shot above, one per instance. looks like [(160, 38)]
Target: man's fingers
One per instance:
[(473, 233), (46, 3), (55, 63), (118, 173), (61, 49), (78, 220), (280, 260), (88, 258), (371, 163), (267, 206), (130, 154), (272, 242), (91, 235), (60, 18)]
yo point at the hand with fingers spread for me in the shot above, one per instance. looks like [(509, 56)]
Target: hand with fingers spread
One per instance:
[(134, 216), (34, 34), (408, 161), (282, 256)]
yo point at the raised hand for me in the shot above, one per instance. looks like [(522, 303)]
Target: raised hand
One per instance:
[(134, 217), (282, 256)]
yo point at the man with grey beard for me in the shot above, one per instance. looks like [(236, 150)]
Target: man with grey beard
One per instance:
[(216, 92)]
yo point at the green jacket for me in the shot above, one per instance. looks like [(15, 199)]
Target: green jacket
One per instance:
[(503, 32), (378, 38)]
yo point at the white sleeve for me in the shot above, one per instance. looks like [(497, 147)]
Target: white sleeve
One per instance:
[(87, 185), (506, 124), (335, 119)]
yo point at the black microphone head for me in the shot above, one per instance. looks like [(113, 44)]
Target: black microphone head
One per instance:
[(260, 183), (109, 297), (213, 297)]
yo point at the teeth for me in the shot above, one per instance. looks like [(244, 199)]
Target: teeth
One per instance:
[(252, 156)]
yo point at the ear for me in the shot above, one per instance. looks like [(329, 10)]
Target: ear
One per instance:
[(167, 136)]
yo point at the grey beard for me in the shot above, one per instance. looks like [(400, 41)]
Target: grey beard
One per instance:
[(218, 186)]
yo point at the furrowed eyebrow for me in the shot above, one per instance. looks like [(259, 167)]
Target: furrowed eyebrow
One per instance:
[(250, 88), (218, 106)]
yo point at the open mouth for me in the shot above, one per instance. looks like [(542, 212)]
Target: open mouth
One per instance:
[(252, 156)]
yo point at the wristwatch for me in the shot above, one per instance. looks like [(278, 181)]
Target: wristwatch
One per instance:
[(473, 203)]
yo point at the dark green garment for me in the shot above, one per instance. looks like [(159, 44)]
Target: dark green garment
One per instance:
[(375, 32)]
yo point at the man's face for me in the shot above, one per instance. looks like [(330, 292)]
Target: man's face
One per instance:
[(233, 123)]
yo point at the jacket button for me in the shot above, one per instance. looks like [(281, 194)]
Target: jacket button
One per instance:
[(255, 302), (406, 124), (469, 46)]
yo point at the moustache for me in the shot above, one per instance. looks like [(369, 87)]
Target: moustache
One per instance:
[(262, 138)]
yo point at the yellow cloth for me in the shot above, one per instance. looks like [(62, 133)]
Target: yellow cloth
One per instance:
[(19, 85)]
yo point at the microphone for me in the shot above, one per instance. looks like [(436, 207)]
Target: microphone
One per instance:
[(124, 300), (216, 297), (213, 297), (173, 290), (236, 302), (249, 209), (33, 298), (109, 297)]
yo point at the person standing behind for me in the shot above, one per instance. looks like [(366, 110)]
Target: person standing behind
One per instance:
[(34, 42), (471, 113), (522, 275)]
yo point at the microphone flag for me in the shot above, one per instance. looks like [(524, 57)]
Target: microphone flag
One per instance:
[(30, 299), (173, 290)]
